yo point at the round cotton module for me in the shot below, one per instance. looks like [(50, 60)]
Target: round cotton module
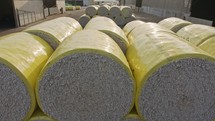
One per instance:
[(120, 21), (91, 10), (126, 11), (115, 11), (20, 64), (56, 30), (103, 10), (175, 80), (196, 33), (131, 25), (129, 19), (84, 19), (174, 23), (87, 78), (109, 27)]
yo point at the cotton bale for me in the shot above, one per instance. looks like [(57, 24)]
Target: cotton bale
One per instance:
[(115, 11), (91, 10), (126, 11), (120, 21), (86, 79), (56, 30), (20, 64), (131, 18), (38, 115), (208, 46), (196, 33), (144, 29), (174, 23), (175, 80), (83, 20), (109, 27), (103, 10), (131, 25)]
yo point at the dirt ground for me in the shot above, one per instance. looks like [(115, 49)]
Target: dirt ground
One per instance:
[(76, 14)]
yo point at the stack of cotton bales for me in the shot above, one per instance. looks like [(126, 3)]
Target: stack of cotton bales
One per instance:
[(120, 14), (175, 80)]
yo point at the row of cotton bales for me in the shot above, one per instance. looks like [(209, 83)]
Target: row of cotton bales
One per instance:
[(104, 73), (120, 14), (175, 79), (202, 36)]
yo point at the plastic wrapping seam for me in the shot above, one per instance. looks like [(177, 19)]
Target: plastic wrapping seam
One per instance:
[(24, 59)]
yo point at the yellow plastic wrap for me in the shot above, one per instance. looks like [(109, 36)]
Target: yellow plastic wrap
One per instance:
[(144, 29), (155, 50), (25, 55), (56, 30), (87, 41), (196, 33), (38, 115), (109, 27), (174, 23), (131, 25), (208, 46)]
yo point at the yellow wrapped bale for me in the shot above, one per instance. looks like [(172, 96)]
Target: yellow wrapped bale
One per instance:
[(38, 115), (196, 33), (209, 46), (144, 29), (131, 25), (175, 80), (56, 30), (174, 23), (108, 26), (22, 56), (86, 79)]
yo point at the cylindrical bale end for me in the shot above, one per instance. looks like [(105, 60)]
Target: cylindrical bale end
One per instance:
[(20, 64), (131, 18), (115, 11), (103, 10), (91, 11), (120, 21), (87, 78), (83, 20), (126, 11)]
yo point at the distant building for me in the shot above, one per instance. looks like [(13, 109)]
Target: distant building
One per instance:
[(80, 2), (14, 13)]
